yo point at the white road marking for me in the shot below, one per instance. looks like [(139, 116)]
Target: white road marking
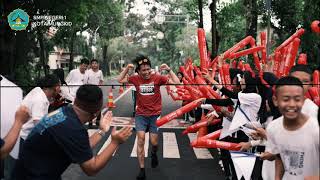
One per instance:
[(108, 141), (201, 153), (170, 145), (146, 146)]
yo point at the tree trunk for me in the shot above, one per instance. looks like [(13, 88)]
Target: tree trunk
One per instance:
[(42, 52), (105, 67), (200, 6), (251, 17), (71, 49), (214, 50)]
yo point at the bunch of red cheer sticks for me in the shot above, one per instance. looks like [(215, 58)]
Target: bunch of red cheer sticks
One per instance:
[(195, 87)]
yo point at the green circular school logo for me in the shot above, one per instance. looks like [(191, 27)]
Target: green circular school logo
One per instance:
[(18, 20)]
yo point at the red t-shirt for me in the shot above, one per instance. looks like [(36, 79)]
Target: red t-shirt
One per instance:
[(148, 94)]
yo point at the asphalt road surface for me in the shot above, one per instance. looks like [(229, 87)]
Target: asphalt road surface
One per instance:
[(177, 159)]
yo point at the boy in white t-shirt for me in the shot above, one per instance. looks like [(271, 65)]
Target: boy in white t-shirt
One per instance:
[(37, 101), (77, 77), (293, 139), (94, 75)]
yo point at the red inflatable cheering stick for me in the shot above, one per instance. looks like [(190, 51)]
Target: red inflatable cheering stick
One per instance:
[(315, 26), (165, 119), (208, 143), (314, 95), (202, 49), (316, 81), (195, 127), (263, 38), (291, 56), (290, 39), (302, 59)]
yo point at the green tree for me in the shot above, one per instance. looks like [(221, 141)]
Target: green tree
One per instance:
[(310, 41), (109, 19), (231, 25), (288, 17), (77, 13), (251, 17), (187, 43), (164, 50)]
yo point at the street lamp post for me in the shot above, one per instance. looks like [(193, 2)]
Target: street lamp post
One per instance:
[(95, 43)]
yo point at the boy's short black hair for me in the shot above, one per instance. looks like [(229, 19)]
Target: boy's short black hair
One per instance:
[(60, 74), (141, 60), (89, 93), (251, 82), (89, 98), (233, 73), (288, 81), (49, 81), (84, 61), (301, 67), (94, 60)]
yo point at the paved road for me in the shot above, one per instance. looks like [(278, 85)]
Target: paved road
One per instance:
[(177, 159)]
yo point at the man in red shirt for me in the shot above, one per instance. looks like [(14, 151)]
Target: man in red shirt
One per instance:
[(148, 109)]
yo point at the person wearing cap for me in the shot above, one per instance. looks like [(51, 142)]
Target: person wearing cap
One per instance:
[(147, 86), (60, 139)]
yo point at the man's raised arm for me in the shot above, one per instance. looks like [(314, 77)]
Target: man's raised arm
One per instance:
[(122, 78), (173, 79)]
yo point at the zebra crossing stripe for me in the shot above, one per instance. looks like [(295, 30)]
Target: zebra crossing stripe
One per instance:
[(170, 145), (201, 153), (146, 146), (108, 141)]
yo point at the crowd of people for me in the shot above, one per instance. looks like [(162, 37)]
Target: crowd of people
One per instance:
[(276, 121), (49, 126), (279, 122)]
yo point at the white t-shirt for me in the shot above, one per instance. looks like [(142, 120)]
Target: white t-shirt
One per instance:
[(94, 77), (38, 105), (66, 93), (250, 103), (75, 79), (11, 98), (310, 109), (299, 149)]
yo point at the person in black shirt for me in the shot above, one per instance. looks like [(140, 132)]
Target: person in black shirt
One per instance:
[(61, 139)]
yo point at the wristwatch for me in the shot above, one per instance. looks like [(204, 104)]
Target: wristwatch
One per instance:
[(102, 133)]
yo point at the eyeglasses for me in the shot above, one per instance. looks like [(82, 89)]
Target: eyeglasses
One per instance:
[(143, 61)]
